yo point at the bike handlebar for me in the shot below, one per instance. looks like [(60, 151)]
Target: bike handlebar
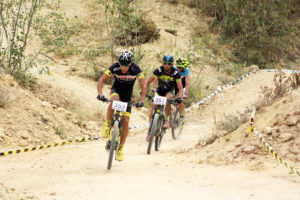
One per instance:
[(172, 101), (106, 100)]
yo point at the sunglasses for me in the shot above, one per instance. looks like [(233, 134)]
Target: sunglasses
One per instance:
[(124, 66), (167, 63)]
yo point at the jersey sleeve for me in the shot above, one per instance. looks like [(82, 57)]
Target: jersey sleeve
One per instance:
[(109, 72), (187, 72), (177, 76), (156, 73), (139, 73)]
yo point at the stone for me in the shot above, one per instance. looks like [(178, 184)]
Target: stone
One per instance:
[(46, 104), (2, 134), (24, 134), (250, 149), (292, 121), (285, 137), (268, 130), (61, 110)]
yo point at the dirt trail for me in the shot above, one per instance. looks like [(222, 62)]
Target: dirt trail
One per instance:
[(79, 171)]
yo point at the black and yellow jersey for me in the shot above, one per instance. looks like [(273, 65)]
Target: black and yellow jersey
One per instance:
[(167, 81), (124, 81)]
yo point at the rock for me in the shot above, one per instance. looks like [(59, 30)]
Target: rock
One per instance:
[(2, 134), (268, 130), (24, 134), (250, 149), (292, 121), (61, 110), (23, 143), (46, 104), (253, 67), (298, 158), (91, 125), (285, 137)]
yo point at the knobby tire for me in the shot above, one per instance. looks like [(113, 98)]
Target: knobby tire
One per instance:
[(113, 144), (152, 132), (158, 135), (176, 131)]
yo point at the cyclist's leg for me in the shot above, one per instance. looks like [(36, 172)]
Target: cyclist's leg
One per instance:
[(181, 112), (125, 97), (113, 96), (169, 95)]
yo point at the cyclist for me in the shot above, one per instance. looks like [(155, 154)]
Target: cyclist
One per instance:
[(185, 74), (169, 85), (125, 73)]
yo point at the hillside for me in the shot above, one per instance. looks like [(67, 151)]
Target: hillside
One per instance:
[(209, 162)]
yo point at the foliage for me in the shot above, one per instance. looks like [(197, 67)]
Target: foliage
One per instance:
[(16, 19), (263, 31), (61, 132), (55, 31), (283, 84), (127, 26)]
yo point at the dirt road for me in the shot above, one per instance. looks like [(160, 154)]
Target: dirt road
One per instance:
[(78, 171)]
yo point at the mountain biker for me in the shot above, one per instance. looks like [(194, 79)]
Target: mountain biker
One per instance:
[(185, 74), (125, 73), (182, 66), (169, 85)]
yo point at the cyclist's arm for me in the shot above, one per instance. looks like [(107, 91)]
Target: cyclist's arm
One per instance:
[(149, 82), (155, 83), (187, 84), (142, 84), (180, 89), (101, 81)]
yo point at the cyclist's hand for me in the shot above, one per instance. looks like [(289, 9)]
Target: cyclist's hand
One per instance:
[(101, 97), (178, 100), (153, 90), (139, 104)]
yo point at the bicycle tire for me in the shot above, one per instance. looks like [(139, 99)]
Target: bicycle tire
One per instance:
[(176, 131), (152, 132), (159, 135), (113, 144)]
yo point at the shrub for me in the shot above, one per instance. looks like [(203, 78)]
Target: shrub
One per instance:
[(263, 31)]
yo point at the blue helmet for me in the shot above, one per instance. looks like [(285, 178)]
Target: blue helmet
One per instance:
[(168, 59)]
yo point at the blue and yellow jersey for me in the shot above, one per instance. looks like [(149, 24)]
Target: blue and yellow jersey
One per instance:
[(183, 74), (166, 81)]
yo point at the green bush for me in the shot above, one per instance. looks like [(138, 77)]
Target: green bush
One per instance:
[(263, 31), (128, 26)]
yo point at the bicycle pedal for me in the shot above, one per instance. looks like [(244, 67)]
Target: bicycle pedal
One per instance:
[(107, 146), (117, 145)]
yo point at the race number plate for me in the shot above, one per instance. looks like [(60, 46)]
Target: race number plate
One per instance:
[(158, 100), (119, 105)]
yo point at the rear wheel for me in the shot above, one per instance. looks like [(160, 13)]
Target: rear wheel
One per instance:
[(152, 132), (176, 130), (113, 144)]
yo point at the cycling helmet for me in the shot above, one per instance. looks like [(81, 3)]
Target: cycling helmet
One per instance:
[(168, 59), (125, 58), (182, 62)]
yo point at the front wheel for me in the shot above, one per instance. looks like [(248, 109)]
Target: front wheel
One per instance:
[(176, 130), (152, 132), (113, 144), (159, 135)]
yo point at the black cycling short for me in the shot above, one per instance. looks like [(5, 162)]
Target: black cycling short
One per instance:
[(163, 92), (124, 95)]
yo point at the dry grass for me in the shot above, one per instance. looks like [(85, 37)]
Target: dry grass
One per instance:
[(4, 98), (283, 84)]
